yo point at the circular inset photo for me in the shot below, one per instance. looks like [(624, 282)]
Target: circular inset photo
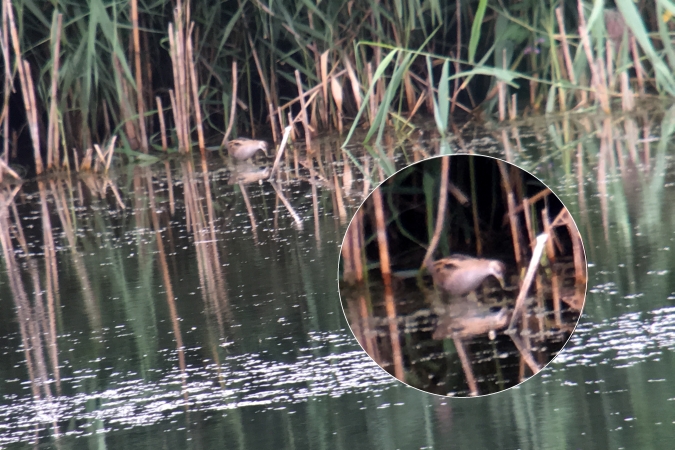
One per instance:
[(462, 275)]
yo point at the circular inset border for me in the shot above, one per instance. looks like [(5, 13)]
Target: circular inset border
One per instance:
[(496, 305)]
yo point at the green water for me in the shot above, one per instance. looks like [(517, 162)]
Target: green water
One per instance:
[(187, 329)]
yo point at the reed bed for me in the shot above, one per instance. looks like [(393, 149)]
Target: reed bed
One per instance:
[(226, 69)]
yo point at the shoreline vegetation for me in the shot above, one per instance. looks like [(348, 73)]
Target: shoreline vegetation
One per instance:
[(84, 80)]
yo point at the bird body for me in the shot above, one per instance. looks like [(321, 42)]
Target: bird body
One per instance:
[(460, 274), (243, 148)]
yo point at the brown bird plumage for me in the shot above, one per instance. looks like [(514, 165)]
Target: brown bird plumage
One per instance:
[(243, 148), (459, 274)]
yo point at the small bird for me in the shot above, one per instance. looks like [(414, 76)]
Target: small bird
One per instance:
[(243, 148), (460, 274)]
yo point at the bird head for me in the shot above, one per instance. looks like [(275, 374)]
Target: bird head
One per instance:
[(496, 269)]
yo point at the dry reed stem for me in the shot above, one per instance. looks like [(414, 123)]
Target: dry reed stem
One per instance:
[(315, 210), (5, 168), (323, 66), (287, 204), (440, 217), (303, 112), (273, 123), (336, 92), (311, 93), (550, 254), (466, 366), (627, 100), (347, 254), (31, 116), (27, 89), (162, 125), (77, 162), (129, 123), (354, 81), (195, 92), (249, 210), (529, 277), (176, 116), (357, 241), (385, 269), (8, 88), (52, 127), (639, 70), (596, 78), (372, 99), (280, 152), (565, 46), (501, 85), (511, 206), (182, 89), (233, 104), (85, 166), (263, 79), (139, 76), (342, 212)]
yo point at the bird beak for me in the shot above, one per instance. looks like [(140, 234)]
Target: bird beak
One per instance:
[(500, 278)]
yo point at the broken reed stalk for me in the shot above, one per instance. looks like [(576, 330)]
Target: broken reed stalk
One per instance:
[(5, 168), (162, 125), (140, 102), (303, 112), (287, 204), (282, 147), (233, 104), (53, 126), (527, 281)]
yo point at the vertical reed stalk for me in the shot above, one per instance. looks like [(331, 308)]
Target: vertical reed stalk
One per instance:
[(511, 204), (53, 126), (162, 126), (385, 269), (233, 103), (139, 76), (195, 92), (303, 112), (27, 88), (7, 83)]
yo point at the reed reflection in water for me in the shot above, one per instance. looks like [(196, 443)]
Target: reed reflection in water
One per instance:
[(610, 387)]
